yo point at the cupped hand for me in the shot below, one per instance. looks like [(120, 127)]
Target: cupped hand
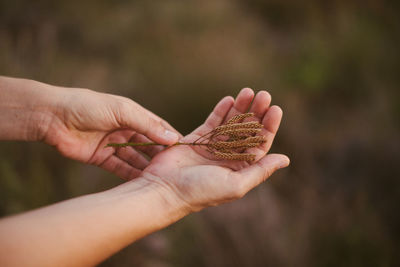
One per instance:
[(198, 179), (85, 121)]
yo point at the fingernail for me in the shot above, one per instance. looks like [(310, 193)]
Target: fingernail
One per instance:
[(170, 135)]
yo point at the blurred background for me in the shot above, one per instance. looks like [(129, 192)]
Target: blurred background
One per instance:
[(333, 67)]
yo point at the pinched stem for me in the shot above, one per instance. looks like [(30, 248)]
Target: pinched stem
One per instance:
[(151, 144), (239, 136)]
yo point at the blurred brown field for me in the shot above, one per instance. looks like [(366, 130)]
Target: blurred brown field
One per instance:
[(333, 67)]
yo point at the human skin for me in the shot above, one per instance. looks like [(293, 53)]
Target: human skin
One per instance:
[(80, 122), (176, 182)]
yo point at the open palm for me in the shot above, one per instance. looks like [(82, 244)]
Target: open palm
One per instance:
[(200, 180)]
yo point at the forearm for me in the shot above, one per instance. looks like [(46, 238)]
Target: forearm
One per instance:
[(88, 229), (26, 108)]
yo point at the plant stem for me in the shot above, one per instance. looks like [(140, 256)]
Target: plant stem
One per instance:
[(150, 144)]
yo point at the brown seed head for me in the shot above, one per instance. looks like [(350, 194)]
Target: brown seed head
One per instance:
[(248, 125), (234, 156), (238, 132), (232, 145), (239, 118), (253, 141)]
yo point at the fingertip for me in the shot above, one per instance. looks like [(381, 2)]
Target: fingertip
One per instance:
[(274, 162), (229, 99), (223, 106), (247, 91), (284, 161), (226, 101), (265, 96), (276, 109), (260, 105), (277, 113), (243, 100)]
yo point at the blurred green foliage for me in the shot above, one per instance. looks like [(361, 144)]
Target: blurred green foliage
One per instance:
[(333, 66)]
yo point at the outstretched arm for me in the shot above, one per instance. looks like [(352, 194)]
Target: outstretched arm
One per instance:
[(178, 181), (80, 122), (86, 230)]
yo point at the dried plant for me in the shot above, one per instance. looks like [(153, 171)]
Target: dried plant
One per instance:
[(227, 141)]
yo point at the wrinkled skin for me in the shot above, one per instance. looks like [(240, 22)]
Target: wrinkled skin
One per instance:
[(84, 121)]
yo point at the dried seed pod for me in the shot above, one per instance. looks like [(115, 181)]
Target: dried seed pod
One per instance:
[(249, 145), (237, 132), (248, 125), (253, 141), (236, 138), (232, 145), (256, 139), (235, 156), (239, 118)]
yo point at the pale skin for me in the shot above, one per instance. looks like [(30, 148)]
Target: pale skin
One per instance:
[(175, 182)]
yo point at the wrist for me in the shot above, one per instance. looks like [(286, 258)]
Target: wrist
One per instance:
[(27, 108), (163, 207)]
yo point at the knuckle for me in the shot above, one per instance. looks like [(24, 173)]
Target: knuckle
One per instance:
[(125, 105), (154, 124), (149, 125), (121, 109)]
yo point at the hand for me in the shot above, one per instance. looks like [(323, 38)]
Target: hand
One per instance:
[(85, 121), (198, 179)]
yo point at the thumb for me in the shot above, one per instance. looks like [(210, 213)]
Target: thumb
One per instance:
[(139, 119), (261, 170)]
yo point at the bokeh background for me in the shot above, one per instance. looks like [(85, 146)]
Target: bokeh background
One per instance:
[(333, 66)]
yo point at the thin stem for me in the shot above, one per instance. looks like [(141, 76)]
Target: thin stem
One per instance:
[(203, 136), (151, 144), (133, 144)]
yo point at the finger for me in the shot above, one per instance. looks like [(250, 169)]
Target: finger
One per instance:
[(271, 122), (150, 151), (242, 103), (134, 116), (120, 168), (132, 157), (258, 172), (163, 122), (167, 125), (217, 116), (128, 102), (260, 104)]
